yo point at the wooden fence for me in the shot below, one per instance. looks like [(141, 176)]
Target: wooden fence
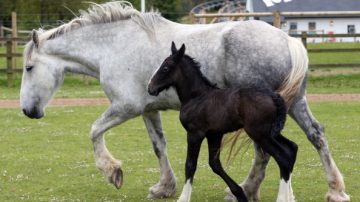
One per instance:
[(11, 56), (11, 53), (304, 35)]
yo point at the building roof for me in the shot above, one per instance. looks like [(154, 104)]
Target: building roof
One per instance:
[(305, 6), (308, 5)]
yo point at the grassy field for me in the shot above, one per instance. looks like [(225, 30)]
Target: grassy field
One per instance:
[(51, 159)]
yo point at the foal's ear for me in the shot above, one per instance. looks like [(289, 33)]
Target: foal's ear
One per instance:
[(180, 53), (35, 38), (173, 48)]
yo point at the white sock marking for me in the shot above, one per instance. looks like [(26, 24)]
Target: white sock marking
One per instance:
[(285, 191), (186, 192)]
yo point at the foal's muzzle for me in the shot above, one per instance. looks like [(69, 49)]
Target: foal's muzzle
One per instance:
[(153, 92)]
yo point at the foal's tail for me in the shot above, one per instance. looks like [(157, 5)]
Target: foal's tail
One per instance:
[(293, 81), (280, 119)]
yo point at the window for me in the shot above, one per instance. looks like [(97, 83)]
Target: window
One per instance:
[(351, 29), (312, 27), (293, 28)]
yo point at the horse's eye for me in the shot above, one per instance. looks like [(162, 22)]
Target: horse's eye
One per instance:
[(29, 68), (165, 69)]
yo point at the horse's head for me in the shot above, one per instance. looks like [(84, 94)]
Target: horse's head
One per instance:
[(167, 73), (42, 75)]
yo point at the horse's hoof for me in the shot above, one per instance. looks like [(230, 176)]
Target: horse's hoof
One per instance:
[(117, 178), (336, 196), (162, 190)]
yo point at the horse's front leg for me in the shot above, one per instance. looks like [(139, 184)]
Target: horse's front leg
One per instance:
[(105, 162), (301, 113), (251, 185), (194, 143), (167, 185)]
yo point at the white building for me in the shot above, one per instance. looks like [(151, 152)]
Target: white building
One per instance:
[(312, 25)]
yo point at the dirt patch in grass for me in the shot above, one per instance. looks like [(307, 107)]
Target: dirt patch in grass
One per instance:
[(104, 101)]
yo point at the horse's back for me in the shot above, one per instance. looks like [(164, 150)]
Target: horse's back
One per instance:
[(255, 52)]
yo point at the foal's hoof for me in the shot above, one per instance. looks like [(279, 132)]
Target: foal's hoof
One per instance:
[(230, 196), (336, 196), (117, 178), (251, 195)]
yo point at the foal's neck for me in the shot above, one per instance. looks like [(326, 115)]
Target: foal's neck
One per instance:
[(192, 84)]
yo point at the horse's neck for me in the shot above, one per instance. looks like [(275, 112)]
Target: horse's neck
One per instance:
[(90, 46), (191, 85)]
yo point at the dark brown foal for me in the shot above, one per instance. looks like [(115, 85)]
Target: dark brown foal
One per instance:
[(209, 112)]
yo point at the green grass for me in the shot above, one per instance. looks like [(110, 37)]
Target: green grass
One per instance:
[(334, 58), (339, 83), (51, 159)]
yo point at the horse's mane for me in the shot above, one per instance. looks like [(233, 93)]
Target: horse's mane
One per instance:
[(106, 13), (196, 66)]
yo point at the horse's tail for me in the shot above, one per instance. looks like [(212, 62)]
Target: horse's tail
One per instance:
[(293, 81), (280, 119)]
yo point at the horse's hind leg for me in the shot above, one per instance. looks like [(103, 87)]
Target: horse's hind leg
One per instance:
[(214, 143), (301, 113), (105, 162), (167, 185), (251, 184)]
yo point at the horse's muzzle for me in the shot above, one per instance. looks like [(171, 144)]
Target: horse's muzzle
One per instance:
[(34, 113)]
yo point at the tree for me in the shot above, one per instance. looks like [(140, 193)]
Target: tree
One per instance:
[(43, 13)]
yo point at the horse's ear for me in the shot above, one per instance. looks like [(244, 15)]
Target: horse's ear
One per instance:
[(173, 48), (35, 38)]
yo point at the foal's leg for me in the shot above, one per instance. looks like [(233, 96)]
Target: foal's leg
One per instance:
[(167, 185), (283, 151), (214, 144), (301, 113), (285, 188), (105, 162), (194, 143)]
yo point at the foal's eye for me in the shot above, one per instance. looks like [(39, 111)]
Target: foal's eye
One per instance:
[(29, 68), (165, 69)]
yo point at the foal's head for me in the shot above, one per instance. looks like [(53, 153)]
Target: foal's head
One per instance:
[(169, 71)]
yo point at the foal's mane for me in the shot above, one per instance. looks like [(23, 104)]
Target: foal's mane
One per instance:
[(196, 66), (106, 13)]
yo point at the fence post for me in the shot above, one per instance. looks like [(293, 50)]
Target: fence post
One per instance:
[(14, 43), (1, 32), (303, 38), (192, 18), (277, 19), (9, 61)]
